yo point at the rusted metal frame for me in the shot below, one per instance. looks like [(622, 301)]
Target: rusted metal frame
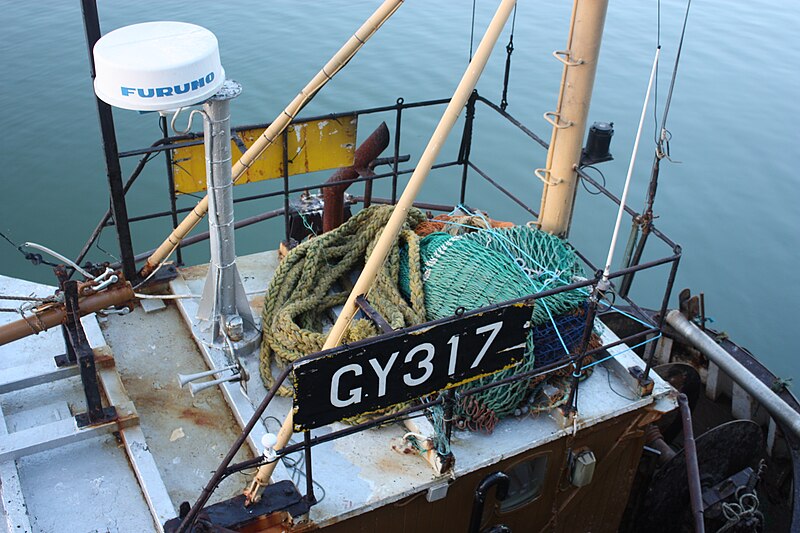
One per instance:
[(95, 413), (310, 497), (692, 468), (68, 358), (571, 407), (291, 191), (403, 413), (515, 122), (370, 172), (173, 197), (286, 214), (397, 123), (194, 239), (419, 205), (636, 309), (502, 189), (662, 315), (367, 173), (373, 315), (466, 145), (91, 22), (655, 231), (194, 139)]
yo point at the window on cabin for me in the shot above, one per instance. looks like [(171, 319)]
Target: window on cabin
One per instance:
[(527, 481)]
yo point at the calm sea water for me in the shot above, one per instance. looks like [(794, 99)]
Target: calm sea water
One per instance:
[(731, 202)]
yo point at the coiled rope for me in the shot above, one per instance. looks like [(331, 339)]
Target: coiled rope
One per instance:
[(315, 277)]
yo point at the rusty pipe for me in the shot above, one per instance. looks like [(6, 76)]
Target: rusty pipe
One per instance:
[(366, 153), (692, 468), (53, 316)]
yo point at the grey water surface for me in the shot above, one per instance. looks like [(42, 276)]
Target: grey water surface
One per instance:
[(730, 198)]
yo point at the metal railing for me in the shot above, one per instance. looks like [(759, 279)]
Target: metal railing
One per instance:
[(468, 167)]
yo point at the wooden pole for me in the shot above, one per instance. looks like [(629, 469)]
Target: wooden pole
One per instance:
[(396, 221), (273, 132), (569, 119)]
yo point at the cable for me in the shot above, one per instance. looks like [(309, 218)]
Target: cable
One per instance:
[(602, 177), (472, 31), (58, 256)]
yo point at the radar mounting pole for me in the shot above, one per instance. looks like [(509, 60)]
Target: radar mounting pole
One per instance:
[(569, 119), (223, 307)]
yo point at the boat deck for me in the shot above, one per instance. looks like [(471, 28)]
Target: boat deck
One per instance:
[(131, 479)]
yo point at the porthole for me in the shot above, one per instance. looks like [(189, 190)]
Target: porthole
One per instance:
[(526, 483)]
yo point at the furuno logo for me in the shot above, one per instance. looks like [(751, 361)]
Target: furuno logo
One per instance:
[(160, 92)]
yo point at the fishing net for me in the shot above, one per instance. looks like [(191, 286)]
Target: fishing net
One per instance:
[(489, 266), (480, 262)]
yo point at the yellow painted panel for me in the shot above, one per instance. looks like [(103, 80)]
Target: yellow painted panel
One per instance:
[(316, 145)]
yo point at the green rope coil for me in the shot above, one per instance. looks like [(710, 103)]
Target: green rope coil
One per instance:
[(316, 276)]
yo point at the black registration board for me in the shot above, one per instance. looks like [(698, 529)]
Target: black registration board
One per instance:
[(386, 370)]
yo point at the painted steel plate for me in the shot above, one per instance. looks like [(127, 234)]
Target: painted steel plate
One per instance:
[(406, 364), (314, 145)]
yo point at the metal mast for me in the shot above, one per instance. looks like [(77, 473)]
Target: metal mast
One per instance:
[(569, 119), (223, 309)]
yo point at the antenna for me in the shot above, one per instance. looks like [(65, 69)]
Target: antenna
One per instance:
[(164, 67), (604, 282)]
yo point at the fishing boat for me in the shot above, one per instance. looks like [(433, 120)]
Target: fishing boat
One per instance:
[(391, 364)]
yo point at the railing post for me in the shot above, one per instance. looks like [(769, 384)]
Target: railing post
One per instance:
[(466, 144), (310, 497), (119, 209), (396, 149), (173, 206), (95, 413)]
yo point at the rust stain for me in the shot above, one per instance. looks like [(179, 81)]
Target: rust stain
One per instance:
[(390, 464), (257, 302), (198, 417)]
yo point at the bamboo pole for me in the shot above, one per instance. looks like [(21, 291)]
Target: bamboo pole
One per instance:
[(273, 132), (395, 223)]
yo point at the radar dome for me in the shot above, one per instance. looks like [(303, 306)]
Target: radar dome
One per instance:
[(157, 66)]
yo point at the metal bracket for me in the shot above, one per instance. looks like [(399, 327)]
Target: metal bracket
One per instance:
[(373, 315), (554, 119), (645, 384), (544, 175), (278, 497), (564, 55), (95, 413)]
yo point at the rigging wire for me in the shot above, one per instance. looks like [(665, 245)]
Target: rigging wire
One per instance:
[(472, 31), (641, 225), (36, 259), (509, 51)]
